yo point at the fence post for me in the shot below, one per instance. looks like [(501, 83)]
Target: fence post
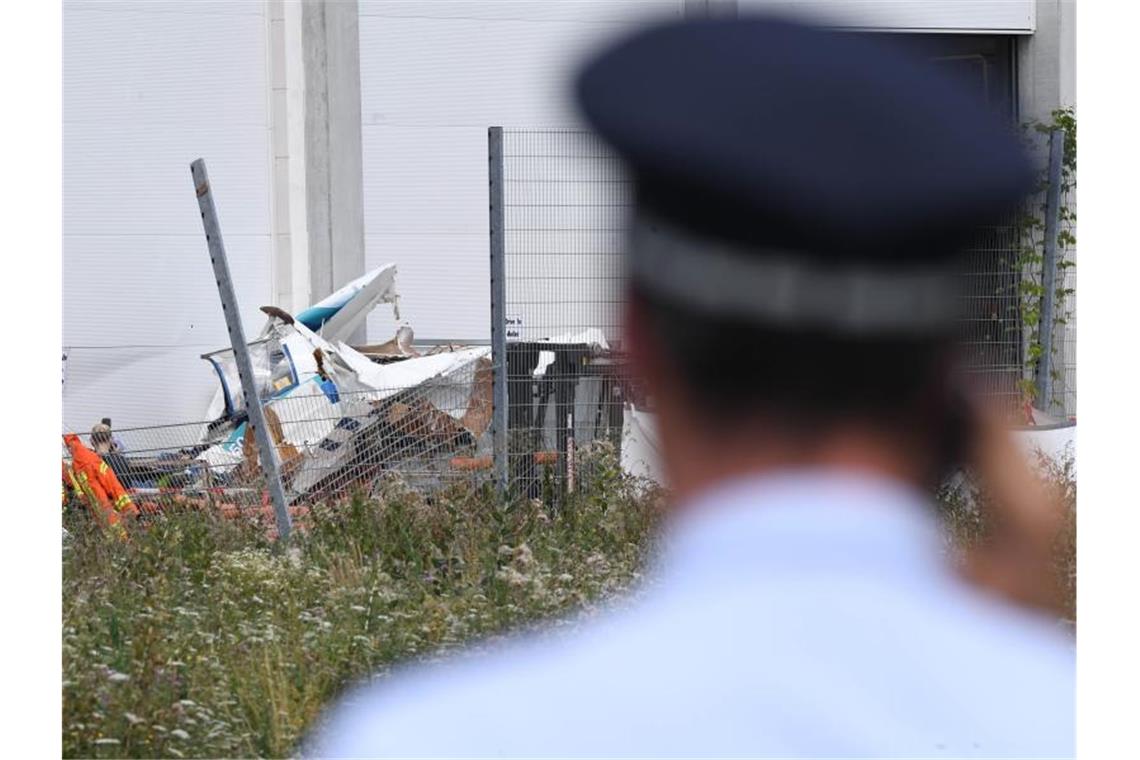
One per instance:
[(266, 452), (1049, 271), (499, 418)]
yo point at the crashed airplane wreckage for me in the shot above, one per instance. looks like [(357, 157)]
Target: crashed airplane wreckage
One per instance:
[(340, 415)]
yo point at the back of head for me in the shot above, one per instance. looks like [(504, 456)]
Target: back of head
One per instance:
[(101, 438)]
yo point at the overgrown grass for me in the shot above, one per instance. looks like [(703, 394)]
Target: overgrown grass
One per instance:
[(200, 639)]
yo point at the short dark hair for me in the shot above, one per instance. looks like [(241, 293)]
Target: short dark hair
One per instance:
[(799, 379), (107, 421)]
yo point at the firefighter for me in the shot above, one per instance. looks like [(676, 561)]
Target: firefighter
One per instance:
[(70, 487), (97, 483)]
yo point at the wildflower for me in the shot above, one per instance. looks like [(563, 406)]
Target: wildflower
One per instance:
[(116, 677), (180, 734), (523, 556), (133, 719), (512, 577), (107, 741)]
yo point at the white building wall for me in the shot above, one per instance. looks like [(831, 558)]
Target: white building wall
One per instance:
[(434, 76), (149, 87)]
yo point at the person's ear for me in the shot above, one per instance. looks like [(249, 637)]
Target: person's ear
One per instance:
[(641, 344)]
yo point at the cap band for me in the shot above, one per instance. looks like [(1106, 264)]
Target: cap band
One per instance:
[(777, 287)]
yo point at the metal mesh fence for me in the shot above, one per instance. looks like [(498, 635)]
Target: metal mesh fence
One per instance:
[(1065, 332), (427, 418), (331, 443), (1062, 364), (565, 200), (990, 333), (1057, 397)]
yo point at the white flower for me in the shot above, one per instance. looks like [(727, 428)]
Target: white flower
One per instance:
[(512, 577), (116, 677), (106, 741), (179, 733), (523, 556), (132, 718)]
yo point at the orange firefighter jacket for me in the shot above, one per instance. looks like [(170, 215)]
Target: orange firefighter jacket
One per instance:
[(106, 496)]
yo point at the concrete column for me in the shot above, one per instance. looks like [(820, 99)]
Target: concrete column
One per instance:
[(1045, 61), (333, 161), (318, 183)]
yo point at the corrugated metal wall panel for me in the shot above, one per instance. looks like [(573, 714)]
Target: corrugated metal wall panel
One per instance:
[(434, 76), (148, 87)]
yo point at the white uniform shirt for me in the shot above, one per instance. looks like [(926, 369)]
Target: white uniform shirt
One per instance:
[(805, 614)]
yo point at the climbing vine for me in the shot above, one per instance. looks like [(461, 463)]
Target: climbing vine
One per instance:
[(1031, 256)]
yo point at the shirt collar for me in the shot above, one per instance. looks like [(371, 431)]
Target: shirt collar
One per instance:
[(805, 521)]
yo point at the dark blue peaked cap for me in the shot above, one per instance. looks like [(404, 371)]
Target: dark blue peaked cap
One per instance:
[(832, 145)]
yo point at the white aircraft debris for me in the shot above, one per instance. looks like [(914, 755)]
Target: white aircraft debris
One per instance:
[(330, 405)]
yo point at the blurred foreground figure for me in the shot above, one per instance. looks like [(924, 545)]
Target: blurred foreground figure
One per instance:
[(801, 197)]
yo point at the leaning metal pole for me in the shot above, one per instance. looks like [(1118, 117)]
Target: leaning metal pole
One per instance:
[(499, 417), (266, 452)]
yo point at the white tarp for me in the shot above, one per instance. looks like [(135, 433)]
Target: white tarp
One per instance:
[(1058, 443), (640, 450), (592, 337)]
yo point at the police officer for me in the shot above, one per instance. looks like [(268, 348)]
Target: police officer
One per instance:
[(801, 198)]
